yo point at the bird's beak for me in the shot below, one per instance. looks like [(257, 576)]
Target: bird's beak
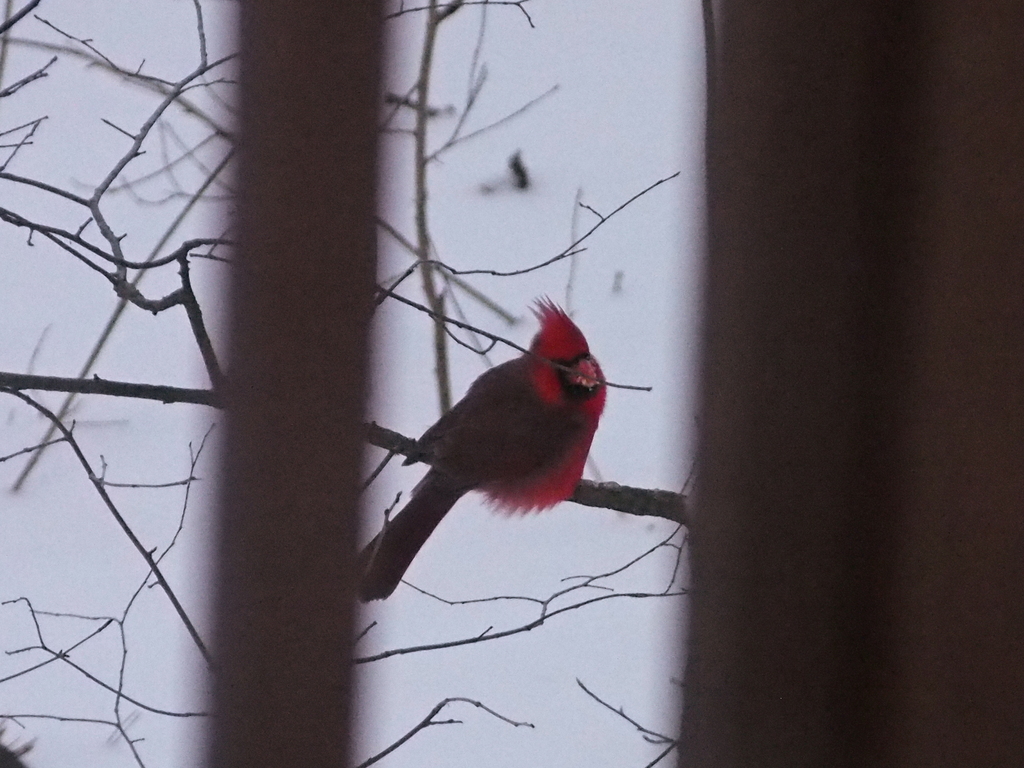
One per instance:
[(587, 373)]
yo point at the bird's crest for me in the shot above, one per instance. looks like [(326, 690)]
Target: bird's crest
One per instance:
[(558, 337)]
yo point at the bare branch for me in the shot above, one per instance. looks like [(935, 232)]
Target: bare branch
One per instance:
[(119, 310), (652, 736), (517, 3), (423, 242), (376, 472), (55, 656), (98, 485), (45, 187), (444, 319), (98, 386), (170, 484), (116, 725), (622, 498), (195, 319), (14, 19), (452, 279), (24, 141), (29, 450), (64, 655), (667, 751), (572, 249), (544, 606), (153, 85), (487, 635), (39, 73), (456, 139), (429, 720)]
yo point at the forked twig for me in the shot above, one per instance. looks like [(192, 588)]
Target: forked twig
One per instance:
[(97, 483), (429, 720)]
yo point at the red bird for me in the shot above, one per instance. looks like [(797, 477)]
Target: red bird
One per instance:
[(520, 435)]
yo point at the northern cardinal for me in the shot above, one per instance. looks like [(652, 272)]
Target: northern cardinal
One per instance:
[(520, 435)]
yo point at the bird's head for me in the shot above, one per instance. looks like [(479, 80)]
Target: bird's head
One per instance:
[(565, 371)]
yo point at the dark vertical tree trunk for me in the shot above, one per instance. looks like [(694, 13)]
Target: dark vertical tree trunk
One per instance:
[(301, 291), (858, 553)]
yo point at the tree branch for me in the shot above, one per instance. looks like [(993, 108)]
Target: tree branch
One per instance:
[(19, 15), (429, 720), (621, 498), (98, 386), (423, 242)]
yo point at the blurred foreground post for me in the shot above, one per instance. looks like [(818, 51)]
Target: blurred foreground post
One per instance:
[(858, 550), (297, 368)]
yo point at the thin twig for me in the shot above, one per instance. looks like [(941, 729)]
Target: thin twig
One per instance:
[(55, 655), (544, 606), (453, 279), (152, 85), (151, 486), (662, 755), (39, 73), (45, 187), (456, 140), (112, 508), (428, 721), (195, 319), (517, 3), (380, 468), (24, 141), (423, 242), (19, 15), (29, 450), (573, 247), (444, 319), (115, 316), (488, 636), (653, 736)]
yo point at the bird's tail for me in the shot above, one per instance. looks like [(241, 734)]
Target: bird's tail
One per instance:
[(385, 559)]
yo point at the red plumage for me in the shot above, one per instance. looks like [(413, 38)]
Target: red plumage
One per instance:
[(520, 435)]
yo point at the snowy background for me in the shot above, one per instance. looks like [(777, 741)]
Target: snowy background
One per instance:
[(627, 112)]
